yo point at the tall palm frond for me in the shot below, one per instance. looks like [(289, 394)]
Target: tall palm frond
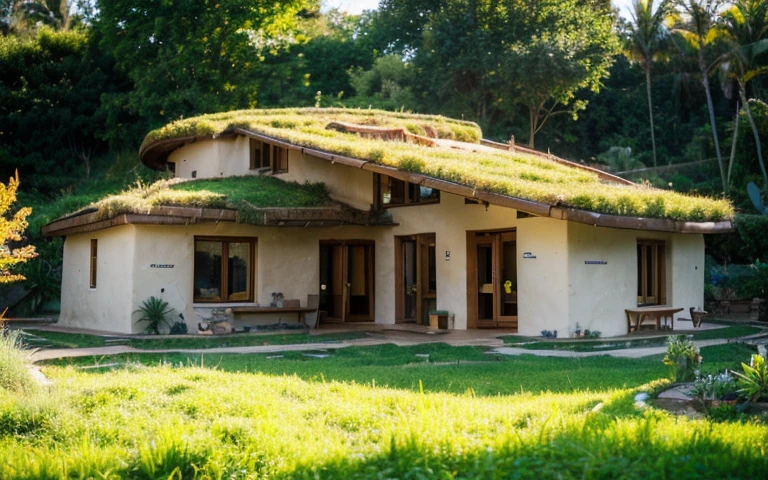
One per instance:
[(697, 24), (647, 34), (747, 25)]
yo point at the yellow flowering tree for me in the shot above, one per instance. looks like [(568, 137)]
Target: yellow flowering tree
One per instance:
[(11, 229)]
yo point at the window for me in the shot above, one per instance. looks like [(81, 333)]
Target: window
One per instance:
[(171, 167), (391, 191), (94, 253), (264, 155), (223, 269), (651, 272)]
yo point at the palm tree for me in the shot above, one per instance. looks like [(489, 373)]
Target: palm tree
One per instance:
[(646, 36), (747, 25), (699, 30)]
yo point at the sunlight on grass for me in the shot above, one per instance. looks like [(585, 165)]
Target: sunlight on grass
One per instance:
[(516, 174), (184, 422)]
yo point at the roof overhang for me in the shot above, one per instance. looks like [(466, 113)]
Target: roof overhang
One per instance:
[(156, 154), (91, 221)]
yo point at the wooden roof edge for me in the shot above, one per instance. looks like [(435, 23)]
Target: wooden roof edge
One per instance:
[(170, 215), (640, 223)]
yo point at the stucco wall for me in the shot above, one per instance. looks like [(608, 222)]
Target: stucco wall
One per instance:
[(542, 281), (107, 307), (599, 294), (223, 157)]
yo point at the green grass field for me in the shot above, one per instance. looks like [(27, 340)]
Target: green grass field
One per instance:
[(367, 412)]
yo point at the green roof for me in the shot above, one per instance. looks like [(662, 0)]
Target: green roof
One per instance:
[(515, 174), (244, 194)]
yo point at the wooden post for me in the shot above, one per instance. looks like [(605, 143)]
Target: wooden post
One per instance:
[(512, 143)]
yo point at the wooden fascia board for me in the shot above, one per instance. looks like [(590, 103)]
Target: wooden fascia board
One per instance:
[(639, 223)]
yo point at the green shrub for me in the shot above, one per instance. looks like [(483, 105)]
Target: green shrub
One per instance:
[(14, 375), (156, 313), (683, 356), (753, 382)]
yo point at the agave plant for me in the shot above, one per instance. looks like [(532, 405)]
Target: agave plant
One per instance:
[(156, 313), (753, 383)]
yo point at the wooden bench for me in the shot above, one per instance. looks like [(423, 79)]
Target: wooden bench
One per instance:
[(637, 316), (301, 311)]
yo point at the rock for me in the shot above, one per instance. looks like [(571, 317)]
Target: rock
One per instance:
[(222, 327)]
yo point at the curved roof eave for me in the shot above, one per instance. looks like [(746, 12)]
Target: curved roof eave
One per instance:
[(156, 154)]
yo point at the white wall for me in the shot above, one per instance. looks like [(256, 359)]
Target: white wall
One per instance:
[(542, 281), (223, 157), (107, 307), (599, 294)]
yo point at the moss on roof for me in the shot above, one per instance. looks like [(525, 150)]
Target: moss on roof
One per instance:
[(243, 194), (515, 174)]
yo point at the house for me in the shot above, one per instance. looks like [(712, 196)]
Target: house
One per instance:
[(416, 213)]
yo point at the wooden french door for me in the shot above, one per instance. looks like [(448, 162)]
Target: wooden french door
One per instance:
[(492, 279), (415, 278), (346, 280)]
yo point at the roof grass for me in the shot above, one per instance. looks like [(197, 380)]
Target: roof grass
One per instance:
[(516, 174), (243, 194)]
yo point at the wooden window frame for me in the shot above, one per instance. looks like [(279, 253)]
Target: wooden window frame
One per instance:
[(266, 155), (225, 241), (657, 249), (411, 192), (94, 260)]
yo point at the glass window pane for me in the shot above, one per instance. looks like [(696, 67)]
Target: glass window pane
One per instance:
[(427, 194), (208, 270), (238, 271)]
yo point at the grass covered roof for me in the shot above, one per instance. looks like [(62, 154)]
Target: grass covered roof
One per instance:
[(243, 194), (516, 174)]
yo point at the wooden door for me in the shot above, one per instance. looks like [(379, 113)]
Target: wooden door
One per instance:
[(415, 278), (347, 281), (506, 279), (491, 263)]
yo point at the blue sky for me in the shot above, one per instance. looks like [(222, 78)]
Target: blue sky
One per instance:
[(357, 6)]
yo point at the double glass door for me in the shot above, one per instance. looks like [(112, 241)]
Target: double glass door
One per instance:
[(346, 281), (492, 259), (416, 278)]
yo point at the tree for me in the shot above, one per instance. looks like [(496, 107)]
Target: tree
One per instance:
[(700, 31), (487, 59), (50, 92), (11, 229), (646, 35), (186, 57), (747, 25)]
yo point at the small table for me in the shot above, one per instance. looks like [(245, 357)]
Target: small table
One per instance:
[(636, 316)]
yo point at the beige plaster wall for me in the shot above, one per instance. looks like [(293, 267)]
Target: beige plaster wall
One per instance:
[(687, 272), (349, 185), (599, 294), (223, 157), (542, 281), (107, 307)]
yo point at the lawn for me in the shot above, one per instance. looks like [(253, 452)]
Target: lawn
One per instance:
[(367, 412), (76, 340), (529, 343)]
